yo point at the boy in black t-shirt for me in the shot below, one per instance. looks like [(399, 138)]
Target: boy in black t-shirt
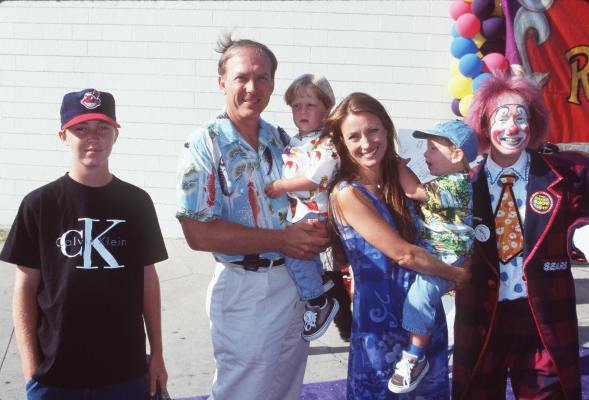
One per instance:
[(85, 247)]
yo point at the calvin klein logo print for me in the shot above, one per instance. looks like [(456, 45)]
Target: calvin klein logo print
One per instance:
[(75, 243)]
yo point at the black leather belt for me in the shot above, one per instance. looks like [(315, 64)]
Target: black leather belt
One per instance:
[(254, 262)]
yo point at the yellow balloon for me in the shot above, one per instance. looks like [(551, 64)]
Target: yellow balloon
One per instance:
[(479, 40), (460, 86), (464, 105), (454, 66), (497, 12)]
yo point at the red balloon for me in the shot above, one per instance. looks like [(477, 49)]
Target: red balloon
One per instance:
[(458, 7), (495, 61), (468, 25)]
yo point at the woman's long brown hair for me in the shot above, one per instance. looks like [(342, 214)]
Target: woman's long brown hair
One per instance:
[(392, 192)]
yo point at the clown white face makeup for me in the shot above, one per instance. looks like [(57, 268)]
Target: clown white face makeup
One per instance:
[(509, 131)]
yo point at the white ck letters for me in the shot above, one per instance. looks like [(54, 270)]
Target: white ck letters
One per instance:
[(87, 242), (64, 241), (90, 243)]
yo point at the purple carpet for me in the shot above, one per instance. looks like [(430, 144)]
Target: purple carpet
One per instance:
[(336, 390)]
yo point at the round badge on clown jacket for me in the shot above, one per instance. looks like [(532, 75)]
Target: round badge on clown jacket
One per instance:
[(482, 233), (541, 202)]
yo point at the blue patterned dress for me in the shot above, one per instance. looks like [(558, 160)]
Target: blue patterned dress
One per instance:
[(380, 287)]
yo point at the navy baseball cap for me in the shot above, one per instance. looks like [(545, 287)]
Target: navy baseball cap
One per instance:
[(460, 134), (86, 105)]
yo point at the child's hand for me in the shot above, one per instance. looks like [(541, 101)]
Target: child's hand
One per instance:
[(403, 161), (403, 165), (274, 189), (409, 181)]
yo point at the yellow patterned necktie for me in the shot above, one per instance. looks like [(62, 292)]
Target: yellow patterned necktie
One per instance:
[(508, 225)]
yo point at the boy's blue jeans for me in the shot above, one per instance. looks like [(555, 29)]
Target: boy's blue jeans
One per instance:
[(307, 274), (423, 297), (130, 390)]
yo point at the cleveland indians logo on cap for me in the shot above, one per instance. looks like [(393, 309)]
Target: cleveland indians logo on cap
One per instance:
[(91, 100)]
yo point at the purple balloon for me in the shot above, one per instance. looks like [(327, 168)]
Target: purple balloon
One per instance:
[(497, 46), (493, 28), (482, 8), (455, 107), (461, 46)]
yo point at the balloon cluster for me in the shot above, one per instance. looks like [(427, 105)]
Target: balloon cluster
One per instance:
[(478, 46)]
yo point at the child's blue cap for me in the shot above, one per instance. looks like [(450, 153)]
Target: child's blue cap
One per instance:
[(460, 134), (85, 105)]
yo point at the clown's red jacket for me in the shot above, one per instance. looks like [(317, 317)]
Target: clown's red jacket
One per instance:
[(557, 203)]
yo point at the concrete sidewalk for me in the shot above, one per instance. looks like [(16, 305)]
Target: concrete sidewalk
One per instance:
[(187, 348)]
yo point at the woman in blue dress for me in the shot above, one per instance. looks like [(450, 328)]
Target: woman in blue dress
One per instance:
[(376, 224)]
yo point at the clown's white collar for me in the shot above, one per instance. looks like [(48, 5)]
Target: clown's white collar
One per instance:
[(521, 168)]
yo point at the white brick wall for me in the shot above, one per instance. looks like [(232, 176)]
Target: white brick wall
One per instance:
[(158, 59)]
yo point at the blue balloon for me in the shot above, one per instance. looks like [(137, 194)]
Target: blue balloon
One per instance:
[(454, 32), (470, 65), (478, 81), (461, 46)]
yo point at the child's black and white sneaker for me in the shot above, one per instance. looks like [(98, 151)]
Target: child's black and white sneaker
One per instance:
[(316, 319), (327, 283), (409, 371)]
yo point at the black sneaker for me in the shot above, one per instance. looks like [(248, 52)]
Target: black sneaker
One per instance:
[(327, 284), (409, 371), (316, 319)]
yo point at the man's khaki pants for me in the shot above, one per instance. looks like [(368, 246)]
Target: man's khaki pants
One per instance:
[(256, 325)]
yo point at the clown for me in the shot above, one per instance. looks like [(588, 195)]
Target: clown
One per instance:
[(517, 316)]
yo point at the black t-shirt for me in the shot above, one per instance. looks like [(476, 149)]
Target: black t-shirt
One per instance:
[(91, 245)]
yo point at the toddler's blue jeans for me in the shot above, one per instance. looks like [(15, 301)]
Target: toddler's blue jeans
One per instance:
[(306, 274), (423, 297)]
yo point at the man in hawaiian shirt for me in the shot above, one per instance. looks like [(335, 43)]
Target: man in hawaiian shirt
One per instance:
[(252, 303)]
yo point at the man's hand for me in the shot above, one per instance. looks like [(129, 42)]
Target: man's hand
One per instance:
[(305, 239), (157, 373), (274, 189)]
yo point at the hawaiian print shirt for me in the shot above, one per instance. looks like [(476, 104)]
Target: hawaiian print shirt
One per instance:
[(318, 162), (446, 230), (221, 176)]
